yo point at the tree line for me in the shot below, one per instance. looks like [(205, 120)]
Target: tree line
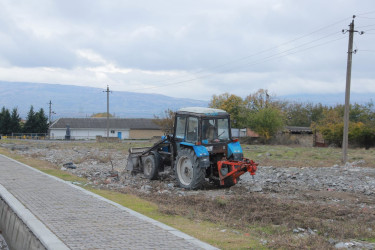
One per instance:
[(267, 116), (10, 122)]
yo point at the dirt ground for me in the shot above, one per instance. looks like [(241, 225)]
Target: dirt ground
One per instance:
[(287, 207)]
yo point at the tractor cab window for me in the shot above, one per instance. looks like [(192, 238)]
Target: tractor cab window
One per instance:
[(223, 129), (180, 127), (192, 130), (208, 131), (215, 130)]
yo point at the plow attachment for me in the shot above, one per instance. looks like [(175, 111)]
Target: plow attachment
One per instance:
[(134, 158), (136, 154), (234, 169)]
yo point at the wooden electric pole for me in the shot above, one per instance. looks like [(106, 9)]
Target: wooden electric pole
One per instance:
[(347, 90)]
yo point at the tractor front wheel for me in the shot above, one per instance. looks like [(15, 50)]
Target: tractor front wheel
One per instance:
[(188, 173)]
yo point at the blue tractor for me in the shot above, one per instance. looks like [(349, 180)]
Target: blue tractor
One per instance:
[(200, 148)]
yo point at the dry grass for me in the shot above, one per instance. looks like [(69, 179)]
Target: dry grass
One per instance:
[(94, 157), (266, 155), (274, 219), (213, 233)]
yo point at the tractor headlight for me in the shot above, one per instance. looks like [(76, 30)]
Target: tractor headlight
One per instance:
[(224, 171), (204, 162), (237, 156)]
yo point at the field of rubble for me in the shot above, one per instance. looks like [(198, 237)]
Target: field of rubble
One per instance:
[(299, 197)]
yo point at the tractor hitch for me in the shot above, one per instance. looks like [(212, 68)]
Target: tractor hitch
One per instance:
[(235, 169)]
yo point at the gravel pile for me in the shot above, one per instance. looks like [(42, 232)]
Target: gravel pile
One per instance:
[(349, 178), (107, 168)]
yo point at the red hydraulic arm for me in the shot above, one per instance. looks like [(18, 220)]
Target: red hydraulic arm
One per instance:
[(236, 169)]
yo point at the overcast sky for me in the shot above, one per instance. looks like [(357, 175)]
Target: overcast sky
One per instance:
[(189, 48)]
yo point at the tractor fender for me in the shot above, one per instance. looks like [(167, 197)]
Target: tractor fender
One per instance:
[(235, 150), (201, 152)]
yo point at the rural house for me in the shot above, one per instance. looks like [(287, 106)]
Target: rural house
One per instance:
[(89, 128)]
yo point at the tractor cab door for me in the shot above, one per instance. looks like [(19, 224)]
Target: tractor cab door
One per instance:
[(187, 129)]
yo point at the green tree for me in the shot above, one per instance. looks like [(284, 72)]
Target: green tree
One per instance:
[(232, 104), (30, 125), (41, 122), (366, 138), (266, 121), (15, 121), (361, 125), (262, 99), (301, 114), (298, 114), (5, 126), (317, 111), (258, 100)]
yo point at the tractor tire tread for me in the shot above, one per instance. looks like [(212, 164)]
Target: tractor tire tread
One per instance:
[(156, 160), (199, 173)]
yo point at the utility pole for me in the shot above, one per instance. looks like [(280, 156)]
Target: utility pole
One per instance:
[(107, 110), (50, 117), (347, 90), (50, 112)]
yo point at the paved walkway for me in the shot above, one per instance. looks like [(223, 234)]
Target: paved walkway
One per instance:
[(83, 220)]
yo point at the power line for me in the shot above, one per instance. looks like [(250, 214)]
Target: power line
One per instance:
[(291, 49), (254, 63), (364, 26), (255, 54), (284, 53), (367, 17), (365, 13)]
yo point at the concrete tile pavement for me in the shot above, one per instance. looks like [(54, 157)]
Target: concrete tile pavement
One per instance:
[(83, 220)]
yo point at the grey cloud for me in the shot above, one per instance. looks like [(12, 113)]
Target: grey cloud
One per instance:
[(189, 36)]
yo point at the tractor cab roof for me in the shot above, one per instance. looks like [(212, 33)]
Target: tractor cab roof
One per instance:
[(201, 111)]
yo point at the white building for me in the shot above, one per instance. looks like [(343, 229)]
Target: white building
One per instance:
[(89, 128)]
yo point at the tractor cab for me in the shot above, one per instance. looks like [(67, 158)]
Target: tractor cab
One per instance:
[(202, 126), (208, 129)]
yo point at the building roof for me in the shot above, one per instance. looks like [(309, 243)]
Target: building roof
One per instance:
[(202, 110), (299, 130), (101, 123)]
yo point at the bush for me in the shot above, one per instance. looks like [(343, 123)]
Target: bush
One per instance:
[(359, 134)]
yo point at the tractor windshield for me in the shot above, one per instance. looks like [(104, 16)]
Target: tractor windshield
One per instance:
[(215, 130)]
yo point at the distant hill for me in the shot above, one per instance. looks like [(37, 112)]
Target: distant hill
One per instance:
[(75, 101)]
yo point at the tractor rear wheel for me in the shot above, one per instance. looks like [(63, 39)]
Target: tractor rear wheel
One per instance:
[(188, 172), (151, 166)]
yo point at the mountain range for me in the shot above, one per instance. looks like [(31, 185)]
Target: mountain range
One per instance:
[(77, 101)]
